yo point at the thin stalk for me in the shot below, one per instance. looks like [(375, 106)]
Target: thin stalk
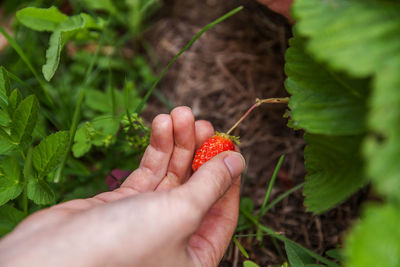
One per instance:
[(72, 131), (197, 36), (280, 197), (27, 175), (283, 100)]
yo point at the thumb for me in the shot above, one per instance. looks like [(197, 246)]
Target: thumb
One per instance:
[(210, 182)]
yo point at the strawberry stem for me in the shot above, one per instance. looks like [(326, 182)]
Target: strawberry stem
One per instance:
[(282, 100)]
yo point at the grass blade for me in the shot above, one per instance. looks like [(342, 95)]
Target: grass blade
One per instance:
[(282, 196), (285, 239), (24, 58), (271, 184), (240, 247), (197, 36)]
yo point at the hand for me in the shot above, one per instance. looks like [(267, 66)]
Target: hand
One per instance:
[(160, 216), (279, 6)]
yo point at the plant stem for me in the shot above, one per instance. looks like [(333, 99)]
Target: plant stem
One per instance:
[(282, 100)]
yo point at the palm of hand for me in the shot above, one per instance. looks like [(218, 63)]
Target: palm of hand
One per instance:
[(156, 216)]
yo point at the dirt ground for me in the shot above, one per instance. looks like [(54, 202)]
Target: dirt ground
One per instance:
[(220, 76)]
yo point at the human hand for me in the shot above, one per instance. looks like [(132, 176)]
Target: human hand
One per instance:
[(279, 6), (160, 216)]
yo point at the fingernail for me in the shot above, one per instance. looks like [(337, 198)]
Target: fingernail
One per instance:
[(235, 163)]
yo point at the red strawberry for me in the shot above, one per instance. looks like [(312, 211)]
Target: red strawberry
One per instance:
[(221, 142), (214, 145)]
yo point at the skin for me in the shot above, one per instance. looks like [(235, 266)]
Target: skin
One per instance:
[(279, 6), (162, 214)]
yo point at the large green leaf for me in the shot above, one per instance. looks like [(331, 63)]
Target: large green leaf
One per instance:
[(323, 102), (334, 170), (375, 240), (358, 36), (40, 192), (4, 88), (24, 120), (296, 256), (383, 147), (9, 218), (11, 185), (48, 154), (41, 19)]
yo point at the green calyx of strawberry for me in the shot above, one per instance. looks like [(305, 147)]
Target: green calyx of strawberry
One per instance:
[(234, 139)]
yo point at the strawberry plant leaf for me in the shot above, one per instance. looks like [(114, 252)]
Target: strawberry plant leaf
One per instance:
[(374, 241), (9, 218), (323, 102), (334, 170), (366, 46), (4, 88), (11, 185), (24, 120), (40, 192), (41, 19), (48, 154), (296, 256), (383, 147), (13, 101)]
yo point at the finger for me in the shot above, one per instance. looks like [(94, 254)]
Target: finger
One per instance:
[(182, 155), (155, 161), (204, 130), (212, 238), (210, 182)]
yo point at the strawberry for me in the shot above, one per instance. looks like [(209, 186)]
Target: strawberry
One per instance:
[(214, 145), (221, 142)]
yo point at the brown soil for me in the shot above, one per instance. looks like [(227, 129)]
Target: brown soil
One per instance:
[(220, 76)]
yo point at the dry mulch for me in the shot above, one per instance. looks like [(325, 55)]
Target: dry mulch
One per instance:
[(219, 77)]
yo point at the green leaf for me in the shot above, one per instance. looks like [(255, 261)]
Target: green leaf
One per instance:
[(104, 5), (323, 102), (11, 185), (6, 147), (64, 32), (334, 170), (335, 253), (359, 36), (13, 101), (249, 263), (40, 192), (382, 148), (4, 88), (375, 240), (9, 218), (41, 19), (48, 154), (24, 120), (296, 256)]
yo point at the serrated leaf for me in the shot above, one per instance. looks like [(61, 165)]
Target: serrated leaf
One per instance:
[(13, 101), (334, 170), (323, 102), (6, 147), (4, 88), (41, 19), (48, 154), (40, 192), (383, 147), (24, 120), (297, 257), (9, 218), (359, 44), (11, 185), (375, 240)]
